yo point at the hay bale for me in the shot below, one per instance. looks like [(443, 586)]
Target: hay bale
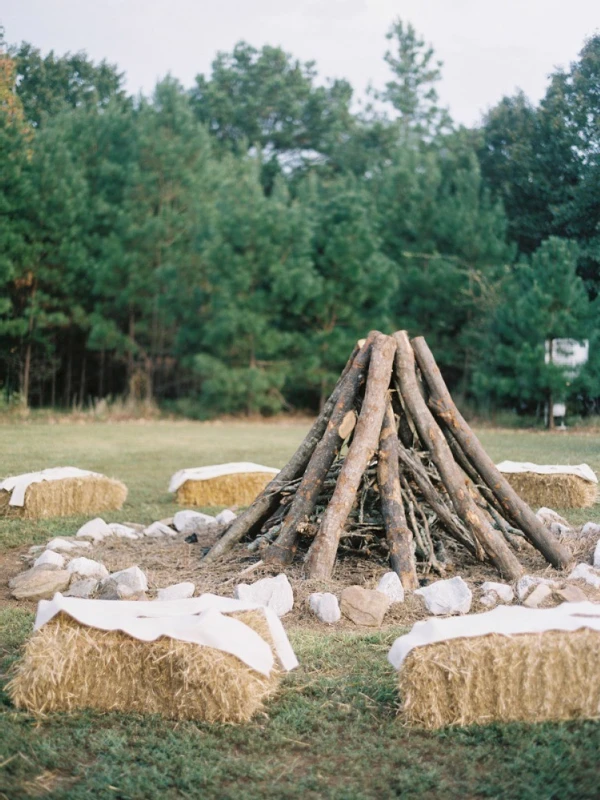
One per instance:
[(556, 487), (87, 493), (68, 666), (533, 677), (221, 485)]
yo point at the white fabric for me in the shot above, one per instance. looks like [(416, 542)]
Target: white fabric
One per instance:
[(18, 484), (505, 620), (215, 471), (201, 620), (580, 470)]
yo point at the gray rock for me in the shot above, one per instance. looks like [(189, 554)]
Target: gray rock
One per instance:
[(87, 568), (225, 517), (541, 592), (123, 531), (366, 607), (84, 588), (109, 589), (96, 529), (556, 524), (39, 583), (584, 572), (275, 593), (178, 591), (502, 591), (325, 607), (451, 596), (189, 521), (157, 530), (50, 557), (133, 578), (571, 594), (391, 585), (590, 530), (527, 582), (67, 545)]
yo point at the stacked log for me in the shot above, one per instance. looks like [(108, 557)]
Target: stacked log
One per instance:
[(390, 463)]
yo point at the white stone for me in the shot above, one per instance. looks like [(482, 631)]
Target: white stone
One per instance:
[(391, 585), (548, 516), (584, 572), (84, 588), (123, 531), (67, 545), (325, 607), (527, 582), (489, 600), (178, 591), (158, 530), (502, 591), (590, 530), (597, 555), (275, 593), (541, 592), (50, 557), (225, 517), (189, 521), (96, 529), (451, 596), (132, 577), (87, 568), (37, 548)]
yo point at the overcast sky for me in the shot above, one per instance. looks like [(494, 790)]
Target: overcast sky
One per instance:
[(489, 47)]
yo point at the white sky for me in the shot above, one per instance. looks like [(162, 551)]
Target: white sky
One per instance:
[(489, 47)]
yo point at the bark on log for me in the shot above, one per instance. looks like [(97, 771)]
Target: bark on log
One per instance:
[(267, 501), (339, 427), (514, 508), (398, 535), (430, 434), (322, 553)]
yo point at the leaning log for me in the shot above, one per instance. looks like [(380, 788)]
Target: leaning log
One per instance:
[(321, 556), (514, 508), (264, 505), (339, 427), (398, 534), (430, 434)]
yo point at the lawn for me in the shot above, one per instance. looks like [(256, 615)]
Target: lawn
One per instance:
[(332, 731)]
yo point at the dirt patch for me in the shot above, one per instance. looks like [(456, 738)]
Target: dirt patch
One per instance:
[(172, 560)]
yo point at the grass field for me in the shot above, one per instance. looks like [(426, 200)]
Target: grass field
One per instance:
[(332, 731)]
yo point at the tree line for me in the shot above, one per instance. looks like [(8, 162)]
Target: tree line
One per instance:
[(220, 248)]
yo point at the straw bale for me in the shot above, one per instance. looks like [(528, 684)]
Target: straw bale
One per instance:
[(68, 666), (556, 491), (532, 677), (239, 488), (66, 497)]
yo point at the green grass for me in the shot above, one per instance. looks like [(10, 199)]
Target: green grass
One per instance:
[(332, 731)]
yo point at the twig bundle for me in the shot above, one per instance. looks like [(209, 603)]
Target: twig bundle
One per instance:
[(68, 666), (391, 465), (66, 497)]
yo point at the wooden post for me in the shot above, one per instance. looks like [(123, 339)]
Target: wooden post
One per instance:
[(430, 434), (321, 556), (514, 508), (398, 534)]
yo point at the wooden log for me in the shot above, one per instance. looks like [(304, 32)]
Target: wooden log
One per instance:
[(432, 437), (398, 535), (321, 556), (513, 507), (339, 427), (267, 501)]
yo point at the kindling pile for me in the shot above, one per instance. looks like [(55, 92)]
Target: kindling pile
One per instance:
[(391, 465)]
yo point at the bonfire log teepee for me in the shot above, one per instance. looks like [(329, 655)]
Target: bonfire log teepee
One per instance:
[(390, 464)]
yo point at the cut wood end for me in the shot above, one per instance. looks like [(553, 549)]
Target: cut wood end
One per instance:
[(347, 425)]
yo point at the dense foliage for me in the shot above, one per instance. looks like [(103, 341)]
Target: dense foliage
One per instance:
[(220, 249)]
